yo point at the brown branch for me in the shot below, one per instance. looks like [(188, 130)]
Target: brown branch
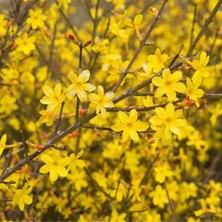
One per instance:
[(193, 23), (143, 181), (59, 119)]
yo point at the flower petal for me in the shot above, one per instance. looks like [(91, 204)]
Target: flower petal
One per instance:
[(48, 91), (157, 81), (134, 135), (73, 77), (89, 87), (84, 76)]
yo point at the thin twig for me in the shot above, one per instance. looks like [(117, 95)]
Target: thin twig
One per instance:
[(52, 45), (143, 181), (176, 56), (147, 7), (193, 23), (59, 119), (214, 41), (120, 177)]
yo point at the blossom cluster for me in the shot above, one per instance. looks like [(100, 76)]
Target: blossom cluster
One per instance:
[(113, 116)]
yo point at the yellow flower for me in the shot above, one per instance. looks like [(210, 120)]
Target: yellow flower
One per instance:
[(169, 84), (2, 143), (47, 117), (102, 101), (129, 125), (162, 172), (100, 45), (200, 67), (54, 165), (25, 43), (157, 61), (74, 161), (36, 18), (159, 196), (78, 178), (136, 24), (167, 121), (22, 197), (64, 3), (79, 85), (117, 217), (53, 98), (192, 90)]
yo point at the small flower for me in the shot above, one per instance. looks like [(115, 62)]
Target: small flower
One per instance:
[(53, 98), (159, 196), (22, 197), (54, 165), (79, 85), (129, 125), (25, 43), (74, 161), (101, 100), (136, 24), (192, 90), (169, 84), (200, 67), (36, 18), (167, 121), (100, 45), (157, 61)]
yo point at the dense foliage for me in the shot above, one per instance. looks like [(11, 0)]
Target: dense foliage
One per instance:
[(110, 110)]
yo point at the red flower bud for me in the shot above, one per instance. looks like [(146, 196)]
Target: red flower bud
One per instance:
[(83, 112), (87, 43), (74, 134), (40, 147), (190, 102), (71, 37)]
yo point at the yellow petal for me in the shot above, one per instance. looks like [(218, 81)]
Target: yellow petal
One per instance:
[(46, 158), (138, 19), (125, 135), (62, 171), (134, 135), (176, 76), (27, 199), (82, 96), (157, 81), (84, 76), (133, 115), (21, 205), (123, 117), (93, 98), (53, 175), (179, 87), (141, 126), (58, 89), (44, 169), (48, 91), (73, 77), (117, 127), (160, 92), (100, 91), (109, 95), (89, 87)]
